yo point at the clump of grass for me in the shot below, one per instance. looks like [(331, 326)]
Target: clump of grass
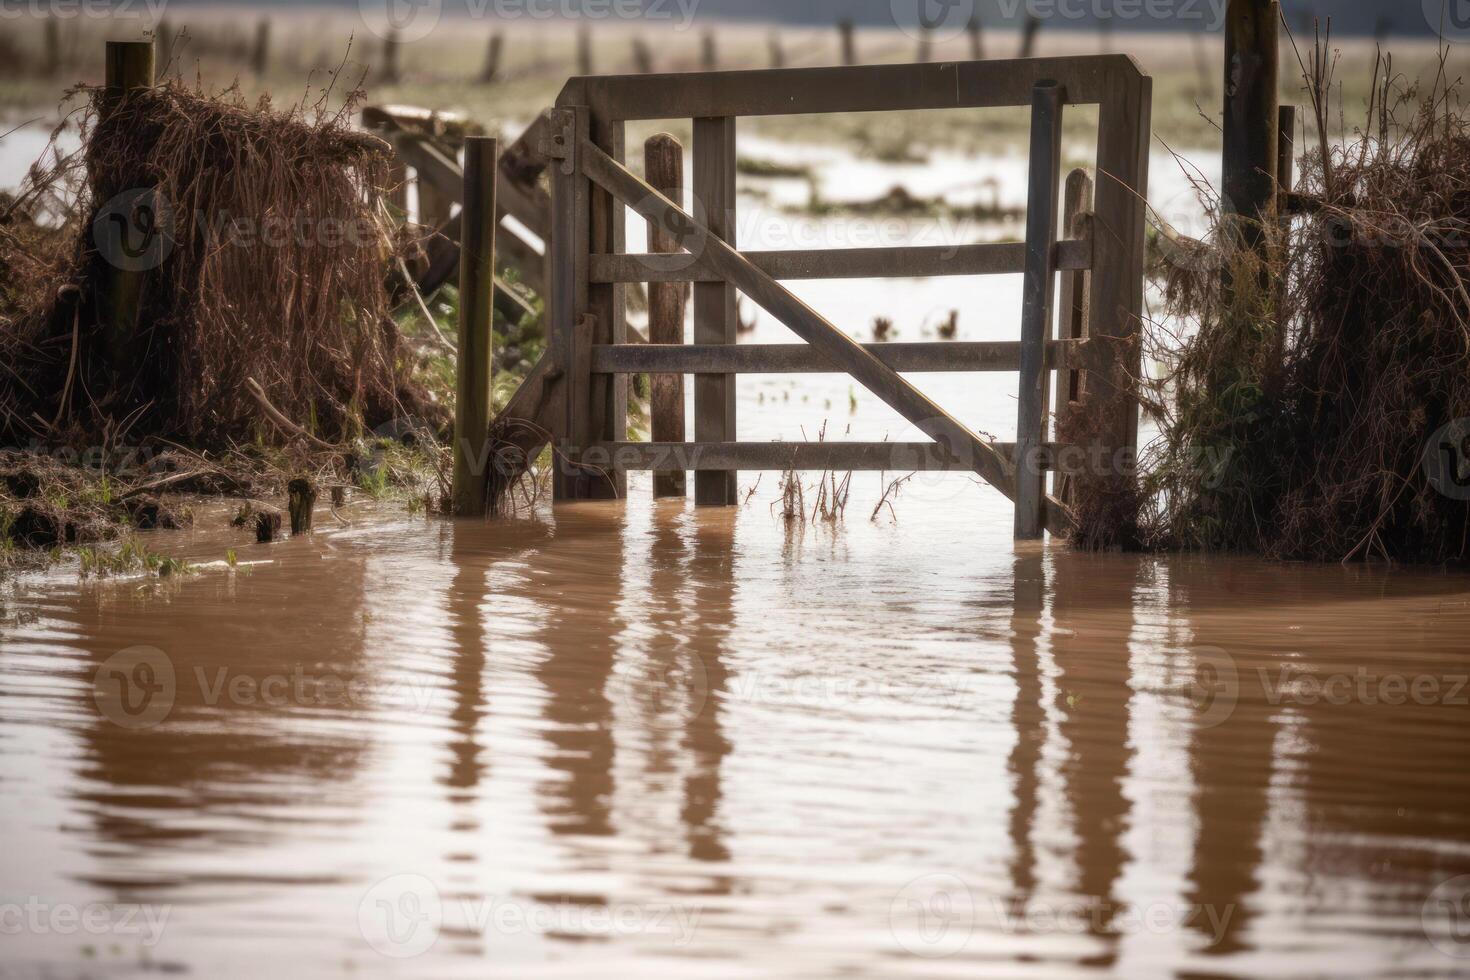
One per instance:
[(129, 558), (1302, 398)]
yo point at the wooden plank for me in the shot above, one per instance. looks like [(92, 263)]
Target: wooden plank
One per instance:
[(663, 164), (476, 314), (865, 368), (864, 88), (566, 303), (528, 204), (716, 319), (606, 304), (1116, 302), (1076, 221), (885, 457), (917, 358), (1036, 305), (989, 258)]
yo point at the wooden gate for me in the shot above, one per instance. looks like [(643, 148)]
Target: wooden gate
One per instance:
[(590, 358)]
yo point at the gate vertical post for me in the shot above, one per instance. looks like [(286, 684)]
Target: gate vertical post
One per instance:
[(716, 320), (663, 165), (1036, 305), (1115, 307), (567, 292), (606, 302)]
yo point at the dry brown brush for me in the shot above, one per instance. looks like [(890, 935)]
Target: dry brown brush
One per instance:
[(1310, 393), (260, 240)]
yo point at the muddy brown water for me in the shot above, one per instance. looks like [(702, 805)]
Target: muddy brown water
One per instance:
[(637, 739)]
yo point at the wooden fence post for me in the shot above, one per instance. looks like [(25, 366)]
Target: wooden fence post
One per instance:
[(925, 53), (261, 53), (716, 320), (709, 57), (390, 59), (849, 45), (1036, 306), (642, 57), (129, 68), (1076, 215), (472, 407), (976, 30), (53, 46), (1028, 35), (491, 71), (778, 56), (1252, 67), (584, 50), (663, 164)]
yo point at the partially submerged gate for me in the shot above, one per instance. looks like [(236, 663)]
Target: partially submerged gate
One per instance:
[(581, 389)]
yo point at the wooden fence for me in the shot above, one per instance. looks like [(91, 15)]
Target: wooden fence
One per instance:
[(578, 396)]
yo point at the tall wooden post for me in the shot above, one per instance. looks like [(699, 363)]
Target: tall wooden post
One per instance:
[(129, 68), (716, 320), (663, 163), (472, 406), (1252, 66), (849, 44), (260, 55), (1036, 305)]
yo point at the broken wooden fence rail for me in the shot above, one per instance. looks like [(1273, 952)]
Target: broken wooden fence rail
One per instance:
[(581, 397)]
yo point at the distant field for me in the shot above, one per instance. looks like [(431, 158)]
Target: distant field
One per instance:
[(442, 70)]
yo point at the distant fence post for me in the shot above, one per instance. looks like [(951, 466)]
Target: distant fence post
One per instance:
[(849, 45), (976, 30), (663, 165), (260, 55), (1028, 35), (709, 57), (584, 50), (53, 46), (926, 47), (472, 405), (491, 71), (642, 57), (390, 58), (129, 67), (778, 56)]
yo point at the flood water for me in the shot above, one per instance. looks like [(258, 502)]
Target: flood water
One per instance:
[(631, 739)]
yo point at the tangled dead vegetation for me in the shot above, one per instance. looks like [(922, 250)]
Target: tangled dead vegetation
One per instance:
[(260, 248), (1313, 396)]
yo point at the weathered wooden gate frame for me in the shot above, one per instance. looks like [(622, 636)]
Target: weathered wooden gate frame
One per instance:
[(590, 358)]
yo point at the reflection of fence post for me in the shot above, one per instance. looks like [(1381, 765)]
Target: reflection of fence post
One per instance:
[(716, 320), (1036, 306), (472, 406), (663, 164), (129, 68), (849, 43)]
